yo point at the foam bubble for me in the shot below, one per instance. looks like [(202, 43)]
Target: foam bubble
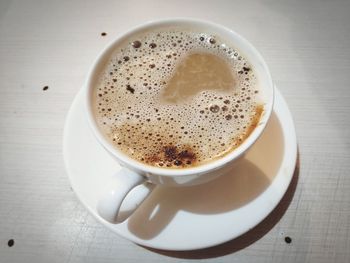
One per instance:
[(195, 131)]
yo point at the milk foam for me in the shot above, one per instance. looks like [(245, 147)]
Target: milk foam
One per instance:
[(201, 128)]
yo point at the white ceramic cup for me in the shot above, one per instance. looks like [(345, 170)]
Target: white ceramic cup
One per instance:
[(137, 179)]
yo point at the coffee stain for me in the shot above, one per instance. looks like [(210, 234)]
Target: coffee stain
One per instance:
[(237, 141), (11, 243), (259, 109), (173, 156), (288, 240), (156, 147)]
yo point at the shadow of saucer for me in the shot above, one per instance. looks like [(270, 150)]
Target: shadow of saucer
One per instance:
[(234, 189)]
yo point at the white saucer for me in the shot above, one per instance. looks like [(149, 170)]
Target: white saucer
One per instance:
[(192, 217)]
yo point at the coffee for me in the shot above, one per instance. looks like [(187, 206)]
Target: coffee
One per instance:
[(177, 97)]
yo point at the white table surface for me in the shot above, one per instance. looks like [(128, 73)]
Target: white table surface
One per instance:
[(53, 43)]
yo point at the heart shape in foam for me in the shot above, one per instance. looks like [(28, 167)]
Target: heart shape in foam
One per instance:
[(195, 73)]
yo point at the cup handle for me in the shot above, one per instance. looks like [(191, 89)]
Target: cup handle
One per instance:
[(128, 190)]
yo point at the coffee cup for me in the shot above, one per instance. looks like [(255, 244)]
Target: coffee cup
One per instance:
[(180, 167)]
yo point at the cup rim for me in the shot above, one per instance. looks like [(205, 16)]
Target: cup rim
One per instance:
[(171, 172)]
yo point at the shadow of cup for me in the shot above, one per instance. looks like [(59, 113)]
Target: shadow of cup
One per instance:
[(234, 189)]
